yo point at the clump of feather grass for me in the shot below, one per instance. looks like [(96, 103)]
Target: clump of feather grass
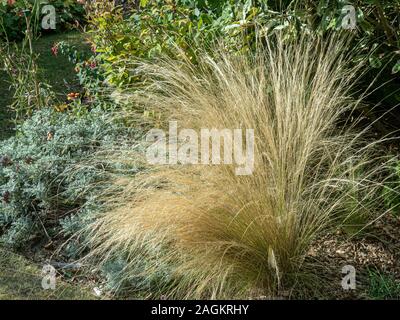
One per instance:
[(220, 235)]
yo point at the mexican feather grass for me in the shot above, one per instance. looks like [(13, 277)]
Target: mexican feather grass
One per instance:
[(209, 233)]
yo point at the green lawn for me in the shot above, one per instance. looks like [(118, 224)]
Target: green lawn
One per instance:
[(21, 279), (5, 114), (56, 71)]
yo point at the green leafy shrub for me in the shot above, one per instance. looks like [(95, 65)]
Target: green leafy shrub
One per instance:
[(87, 69), (377, 37), (12, 20), (157, 28), (161, 26)]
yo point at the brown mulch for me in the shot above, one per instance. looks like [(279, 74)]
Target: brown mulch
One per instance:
[(377, 249)]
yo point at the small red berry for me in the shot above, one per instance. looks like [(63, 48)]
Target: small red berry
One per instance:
[(54, 50)]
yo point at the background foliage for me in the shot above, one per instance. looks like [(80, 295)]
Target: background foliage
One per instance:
[(158, 26), (69, 13)]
